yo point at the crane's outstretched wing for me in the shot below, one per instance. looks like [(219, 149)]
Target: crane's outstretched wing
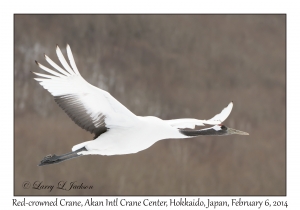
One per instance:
[(91, 108), (191, 123)]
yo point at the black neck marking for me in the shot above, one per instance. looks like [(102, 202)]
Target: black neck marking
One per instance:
[(205, 132)]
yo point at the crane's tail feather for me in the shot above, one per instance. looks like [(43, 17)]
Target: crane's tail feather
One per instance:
[(52, 159), (81, 145)]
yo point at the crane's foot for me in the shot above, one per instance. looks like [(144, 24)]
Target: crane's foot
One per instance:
[(50, 159)]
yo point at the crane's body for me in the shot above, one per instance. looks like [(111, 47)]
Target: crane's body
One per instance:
[(117, 130), (126, 140)]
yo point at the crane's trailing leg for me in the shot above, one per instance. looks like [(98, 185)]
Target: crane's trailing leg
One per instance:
[(51, 159)]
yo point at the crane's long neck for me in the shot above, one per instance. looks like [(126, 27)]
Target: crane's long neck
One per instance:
[(213, 131), (217, 130)]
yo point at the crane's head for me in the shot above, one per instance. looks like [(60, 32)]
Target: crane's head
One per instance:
[(217, 130)]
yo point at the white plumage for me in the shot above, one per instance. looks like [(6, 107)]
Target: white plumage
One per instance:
[(117, 130)]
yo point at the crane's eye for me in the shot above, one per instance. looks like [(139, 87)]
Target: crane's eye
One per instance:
[(223, 127)]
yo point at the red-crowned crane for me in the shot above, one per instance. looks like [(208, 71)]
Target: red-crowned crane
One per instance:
[(117, 130)]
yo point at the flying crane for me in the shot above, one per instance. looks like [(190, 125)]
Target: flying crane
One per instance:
[(117, 130)]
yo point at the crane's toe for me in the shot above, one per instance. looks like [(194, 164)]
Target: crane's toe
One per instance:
[(48, 156), (49, 159)]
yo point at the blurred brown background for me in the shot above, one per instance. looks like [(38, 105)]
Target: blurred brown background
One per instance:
[(170, 66)]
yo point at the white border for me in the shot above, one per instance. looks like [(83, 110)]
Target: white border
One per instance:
[(55, 6)]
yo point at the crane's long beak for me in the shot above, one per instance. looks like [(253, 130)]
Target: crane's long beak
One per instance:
[(233, 131)]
